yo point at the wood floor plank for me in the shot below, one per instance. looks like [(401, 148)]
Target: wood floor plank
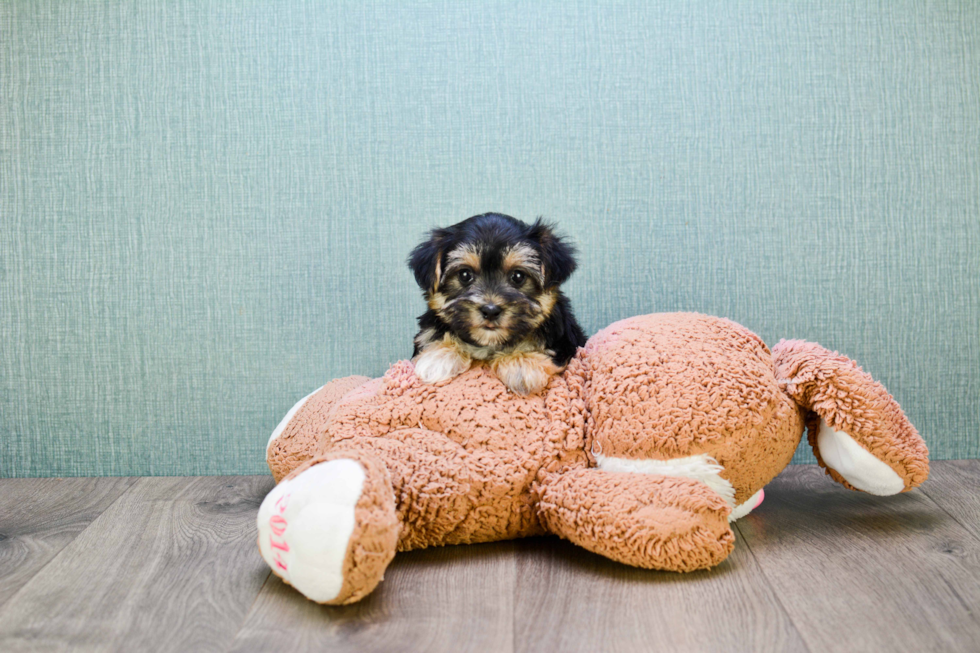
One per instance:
[(40, 516), (858, 572), (571, 600), (955, 486), (171, 565), (457, 598)]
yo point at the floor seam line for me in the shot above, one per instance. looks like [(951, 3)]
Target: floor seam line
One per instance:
[(775, 592), (10, 599), (248, 612)]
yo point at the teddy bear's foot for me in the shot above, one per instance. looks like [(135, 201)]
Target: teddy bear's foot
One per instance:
[(644, 520), (856, 428), (329, 529), (858, 466)]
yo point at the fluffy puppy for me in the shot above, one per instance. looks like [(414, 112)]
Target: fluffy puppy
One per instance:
[(491, 283)]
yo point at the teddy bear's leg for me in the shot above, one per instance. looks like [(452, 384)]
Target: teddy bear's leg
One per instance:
[(858, 431), (644, 520), (436, 492), (329, 528)]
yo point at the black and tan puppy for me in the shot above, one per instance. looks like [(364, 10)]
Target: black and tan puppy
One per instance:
[(491, 283)]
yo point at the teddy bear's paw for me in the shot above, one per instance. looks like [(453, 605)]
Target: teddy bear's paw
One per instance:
[(858, 466), (440, 364), (305, 525)]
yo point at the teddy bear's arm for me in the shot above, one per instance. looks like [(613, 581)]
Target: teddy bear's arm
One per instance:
[(644, 520), (294, 440)]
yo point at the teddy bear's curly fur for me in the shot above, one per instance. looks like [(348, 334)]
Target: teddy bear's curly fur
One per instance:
[(661, 430)]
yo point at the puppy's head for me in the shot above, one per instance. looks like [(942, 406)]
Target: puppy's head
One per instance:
[(492, 279)]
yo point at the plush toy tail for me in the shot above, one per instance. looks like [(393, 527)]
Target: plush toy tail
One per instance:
[(858, 431)]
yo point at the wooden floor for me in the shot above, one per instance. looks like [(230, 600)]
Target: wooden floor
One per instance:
[(146, 564)]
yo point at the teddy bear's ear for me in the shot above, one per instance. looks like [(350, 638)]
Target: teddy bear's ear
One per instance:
[(557, 255), (425, 261)]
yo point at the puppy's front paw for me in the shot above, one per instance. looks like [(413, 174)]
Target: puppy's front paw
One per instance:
[(525, 373), (440, 363)]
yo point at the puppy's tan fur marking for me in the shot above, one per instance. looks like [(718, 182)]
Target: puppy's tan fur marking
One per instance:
[(436, 301), (464, 256), (524, 372), (547, 300), (520, 256), (435, 285)]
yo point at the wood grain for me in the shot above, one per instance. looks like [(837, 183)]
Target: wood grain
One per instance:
[(955, 486), (457, 598), (858, 572), (171, 565), (571, 600), (40, 516)]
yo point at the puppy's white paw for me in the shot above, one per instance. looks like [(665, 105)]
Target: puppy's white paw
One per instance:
[(305, 525), (525, 374), (440, 364)]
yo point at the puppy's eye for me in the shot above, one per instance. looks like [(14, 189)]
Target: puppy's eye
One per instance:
[(465, 277), (517, 278)]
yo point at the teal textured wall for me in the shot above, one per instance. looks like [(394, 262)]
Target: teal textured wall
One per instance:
[(206, 206)]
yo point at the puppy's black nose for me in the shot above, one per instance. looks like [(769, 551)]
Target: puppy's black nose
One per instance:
[(491, 311)]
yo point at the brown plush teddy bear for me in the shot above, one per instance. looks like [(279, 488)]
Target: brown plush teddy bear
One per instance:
[(661, 430)]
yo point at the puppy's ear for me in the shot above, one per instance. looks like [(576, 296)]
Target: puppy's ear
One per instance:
[(425, 261), (557, 255)]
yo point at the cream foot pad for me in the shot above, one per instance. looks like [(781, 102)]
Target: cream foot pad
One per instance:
[(856, 464), (305, 525)]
